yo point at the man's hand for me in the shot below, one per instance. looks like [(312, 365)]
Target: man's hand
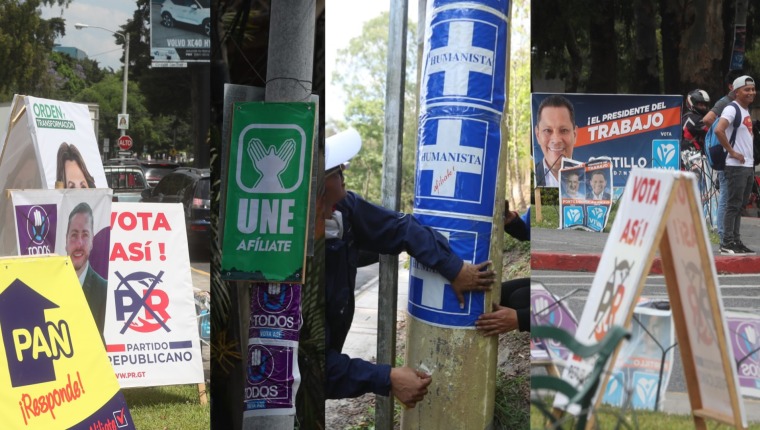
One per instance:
[(737, 155), (409, 386), (509, 216), (472, 278), (501, 320)]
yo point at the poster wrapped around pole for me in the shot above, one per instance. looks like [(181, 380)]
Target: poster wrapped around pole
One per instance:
[(459, 189)]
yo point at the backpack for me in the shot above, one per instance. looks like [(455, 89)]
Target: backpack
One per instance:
[(756, 141), (716, 154)]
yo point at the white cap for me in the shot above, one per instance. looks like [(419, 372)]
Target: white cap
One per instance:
[(743, 81), (341, 147)]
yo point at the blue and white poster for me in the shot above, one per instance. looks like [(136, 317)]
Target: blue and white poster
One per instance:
[(431, 297), (462, 100), (633, 130), (586, 195)]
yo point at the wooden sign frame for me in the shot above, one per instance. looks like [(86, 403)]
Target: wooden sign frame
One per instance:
[(677, 230)]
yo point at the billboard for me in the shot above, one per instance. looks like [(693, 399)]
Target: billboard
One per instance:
[(180, 32)]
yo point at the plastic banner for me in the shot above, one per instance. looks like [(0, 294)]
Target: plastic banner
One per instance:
[(269, 176), (151, 330), (54, 373), (459, 148), (180, 32), (633, 130), (547, 309), (744, 335)]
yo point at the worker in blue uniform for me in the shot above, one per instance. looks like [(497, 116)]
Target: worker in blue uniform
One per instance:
[(351, 224)]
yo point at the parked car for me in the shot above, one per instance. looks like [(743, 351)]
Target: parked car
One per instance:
[(192, 188), (127, 182), (192, 12), (156, 169)]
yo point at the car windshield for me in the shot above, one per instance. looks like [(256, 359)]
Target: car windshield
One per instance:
[(203, 191)]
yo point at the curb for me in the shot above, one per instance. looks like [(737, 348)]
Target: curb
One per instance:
[(747, 264)]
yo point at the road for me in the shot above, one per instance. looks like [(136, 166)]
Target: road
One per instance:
[(739, 292)]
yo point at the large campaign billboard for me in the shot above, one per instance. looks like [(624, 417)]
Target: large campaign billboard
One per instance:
[(180, 32), (633, 130)]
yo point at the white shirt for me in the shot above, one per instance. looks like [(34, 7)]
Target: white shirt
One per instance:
[(84, 273), (743, 142), (549, 179)]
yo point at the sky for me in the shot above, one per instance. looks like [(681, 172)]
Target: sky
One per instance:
[(98, 44), (344, 21)]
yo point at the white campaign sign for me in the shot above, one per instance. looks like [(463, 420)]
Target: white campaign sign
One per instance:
[(623, 264), (151, 329)]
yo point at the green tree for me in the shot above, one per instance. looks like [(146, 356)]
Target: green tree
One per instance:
[(517, 117), (25, 43), (361, 72)]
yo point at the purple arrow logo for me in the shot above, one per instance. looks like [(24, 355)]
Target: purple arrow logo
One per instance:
[(26, 335)]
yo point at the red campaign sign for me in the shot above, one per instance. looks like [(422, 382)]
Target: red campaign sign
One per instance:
[(125, 143)]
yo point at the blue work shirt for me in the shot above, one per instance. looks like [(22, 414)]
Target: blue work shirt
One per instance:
[(373, 228)]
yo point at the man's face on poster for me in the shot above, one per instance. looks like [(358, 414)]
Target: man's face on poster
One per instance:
[(572, 183), (79, 239), (598, 183), (556, 135)]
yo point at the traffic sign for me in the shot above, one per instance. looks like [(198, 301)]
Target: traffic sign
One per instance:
[(125, 143)]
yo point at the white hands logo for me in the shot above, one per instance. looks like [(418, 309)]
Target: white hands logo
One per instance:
[(750, 334), (597, 212), (274, 289), (613, 386), (256, 357), (573, 215), (645, 389), (270, 163), (539, 305), (666, 152)]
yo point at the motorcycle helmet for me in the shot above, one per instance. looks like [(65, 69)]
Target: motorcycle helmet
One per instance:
[(698, 101)]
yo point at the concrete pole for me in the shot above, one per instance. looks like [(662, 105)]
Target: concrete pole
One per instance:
[(391, 196), (126, 79), (290, 64), (462, 362)]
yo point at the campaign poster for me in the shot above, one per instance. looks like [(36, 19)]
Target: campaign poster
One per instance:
[(71, 222), (546, 309), (54, 373), (459, 149), (267, 191), (586, 195), (744, 335), (180, 32), (636, 372), (151, 325), (272, 377), (632, 130)]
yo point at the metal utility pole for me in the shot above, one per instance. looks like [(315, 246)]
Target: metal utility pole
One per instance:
[(289, 73), (391, 196)]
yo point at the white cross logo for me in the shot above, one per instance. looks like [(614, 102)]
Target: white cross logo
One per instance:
[(433, 283), (459, 58), (447, 157)]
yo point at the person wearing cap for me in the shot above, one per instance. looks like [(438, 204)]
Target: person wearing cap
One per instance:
[(739, 171), (351, 224)]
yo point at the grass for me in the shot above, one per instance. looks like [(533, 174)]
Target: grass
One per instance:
[(511, 409), (167, 408), (607, 419)]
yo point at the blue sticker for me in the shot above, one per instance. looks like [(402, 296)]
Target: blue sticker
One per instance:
[(572, 216), (431, 297), (645, 390), (615, 392), (665, 154), (597, 215)]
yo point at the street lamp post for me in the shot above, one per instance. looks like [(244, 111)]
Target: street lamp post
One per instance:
[(125, 36)]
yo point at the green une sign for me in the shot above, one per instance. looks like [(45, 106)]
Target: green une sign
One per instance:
[(267, 203)]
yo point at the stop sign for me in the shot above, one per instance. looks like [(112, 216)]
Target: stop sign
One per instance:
[(125, 143)]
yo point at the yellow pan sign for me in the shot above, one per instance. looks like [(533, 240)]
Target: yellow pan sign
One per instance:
[(54, 372)]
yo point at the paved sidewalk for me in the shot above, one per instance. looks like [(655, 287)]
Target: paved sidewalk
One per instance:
[(579, 251)]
